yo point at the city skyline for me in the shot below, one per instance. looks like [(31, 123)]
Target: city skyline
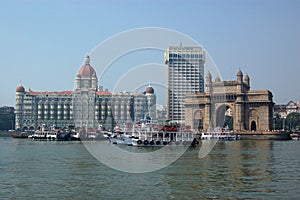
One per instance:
[(44, 42)]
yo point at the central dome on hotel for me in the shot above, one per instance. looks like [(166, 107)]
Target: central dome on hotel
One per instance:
[(87, 71)]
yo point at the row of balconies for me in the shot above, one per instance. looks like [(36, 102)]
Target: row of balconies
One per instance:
[(52, 117), (41, 106)]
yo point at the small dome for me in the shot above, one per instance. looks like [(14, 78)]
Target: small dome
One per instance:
[(217, 79), (149, 90), (246, 78), (208, 76), (20, 88)]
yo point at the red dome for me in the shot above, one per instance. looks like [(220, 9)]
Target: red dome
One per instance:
[(86, 71), (149, 90), (20, 88)]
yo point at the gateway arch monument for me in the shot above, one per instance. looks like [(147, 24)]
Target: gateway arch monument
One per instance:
[(230, 104)]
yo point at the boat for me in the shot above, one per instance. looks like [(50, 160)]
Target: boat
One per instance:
[(219, 134), (68, 136), (163, 138), (294, 136), (149, 133), (43, 135), (120, 138), (22, 135), (55, 135)]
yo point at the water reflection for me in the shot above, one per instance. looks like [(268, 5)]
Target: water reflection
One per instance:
[(232, 170)]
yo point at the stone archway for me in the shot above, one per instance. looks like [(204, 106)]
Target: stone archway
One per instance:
[(198, 120), (224, 117), (253, 120), (247, 105), (253, 126)]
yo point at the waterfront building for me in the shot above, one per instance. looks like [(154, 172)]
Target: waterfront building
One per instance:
[(87, 107), (185, 69), (230, 103), (7, 110), (7, 118), (285, 109)]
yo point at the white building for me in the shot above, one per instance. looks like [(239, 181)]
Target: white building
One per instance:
[(85, 107), (185, 69)]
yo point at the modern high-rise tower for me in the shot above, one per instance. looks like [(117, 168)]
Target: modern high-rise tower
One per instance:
[(185, 69)]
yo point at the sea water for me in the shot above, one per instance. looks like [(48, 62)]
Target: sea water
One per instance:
[(245, 169)]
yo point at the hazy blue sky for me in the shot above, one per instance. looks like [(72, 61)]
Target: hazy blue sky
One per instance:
[(43, 43)]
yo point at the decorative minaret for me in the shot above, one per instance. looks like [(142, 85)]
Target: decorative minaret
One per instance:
[(208, 82), (247, 81), (151, 101), (239, 106), (20, 92), (239, 81)]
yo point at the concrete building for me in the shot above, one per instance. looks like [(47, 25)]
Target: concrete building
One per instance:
[(86, 107), (185, 69)]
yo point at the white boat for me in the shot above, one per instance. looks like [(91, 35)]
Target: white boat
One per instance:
[(294, 136), (219, 134), (119, 138), (43, 135), (163, 138)]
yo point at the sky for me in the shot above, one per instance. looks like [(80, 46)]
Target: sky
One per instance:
[(43, 43)]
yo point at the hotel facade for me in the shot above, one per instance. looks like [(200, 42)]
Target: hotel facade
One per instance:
[(185, 69), (86, 107)]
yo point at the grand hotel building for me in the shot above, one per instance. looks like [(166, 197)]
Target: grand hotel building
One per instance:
[(86, 107), (185, 69)]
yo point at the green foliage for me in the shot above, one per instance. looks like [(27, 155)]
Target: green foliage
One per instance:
[(292, 121)]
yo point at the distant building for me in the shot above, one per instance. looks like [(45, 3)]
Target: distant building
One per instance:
[(161, 112), (7, 117), (185, 69), (88, 106), (285, 109), (7, 110)]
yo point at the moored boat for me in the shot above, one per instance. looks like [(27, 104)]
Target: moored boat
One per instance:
[(22, 135), (219, 134), (43, 135), (294, 136), (163, 138), (150, 134)]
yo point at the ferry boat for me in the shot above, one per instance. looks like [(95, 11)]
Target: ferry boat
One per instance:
[(151, 134), (55, 135), (43, 135), (163, 138), (219, 134)]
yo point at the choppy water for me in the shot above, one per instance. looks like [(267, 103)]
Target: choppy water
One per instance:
[(233, 170)]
